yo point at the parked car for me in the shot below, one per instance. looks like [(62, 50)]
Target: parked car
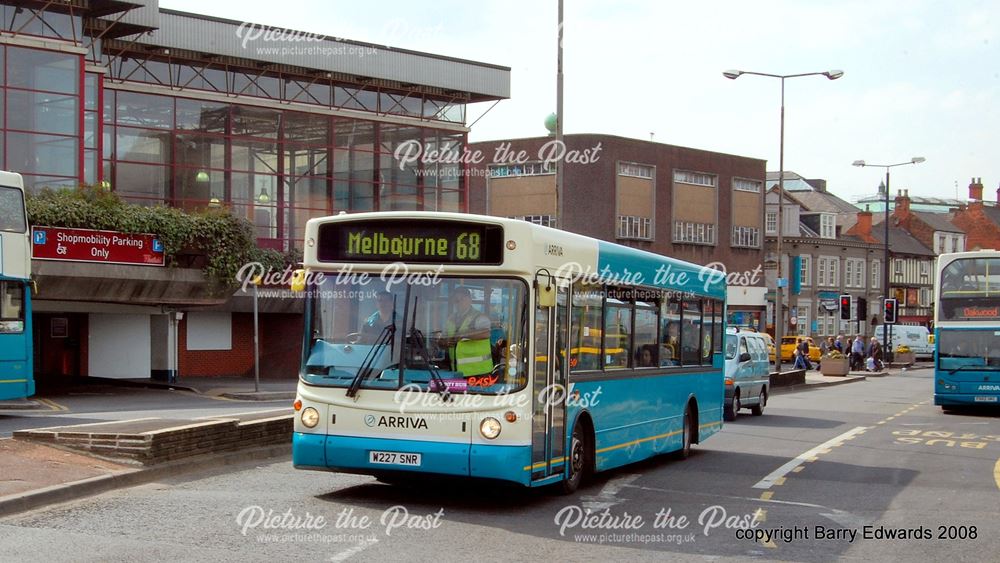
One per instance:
[(747, 373), (788, 344)]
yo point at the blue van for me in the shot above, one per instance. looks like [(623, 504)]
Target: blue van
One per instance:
[(747, 373)]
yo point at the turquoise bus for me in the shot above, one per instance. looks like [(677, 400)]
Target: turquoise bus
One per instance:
[(16, 376), (967, 329), (475, 346)]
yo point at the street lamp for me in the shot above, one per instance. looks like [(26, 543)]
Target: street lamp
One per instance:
[(778, 313), (885, 260)]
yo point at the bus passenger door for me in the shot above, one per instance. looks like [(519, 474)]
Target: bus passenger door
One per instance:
[(548, 392)]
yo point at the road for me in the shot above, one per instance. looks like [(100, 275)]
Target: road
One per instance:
[(870, 456), (83, 404)]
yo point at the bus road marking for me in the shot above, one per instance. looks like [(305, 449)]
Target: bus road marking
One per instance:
[(760, 515), (996, 473), (769, 481), (348, 553), (766, 495), (53, 405)]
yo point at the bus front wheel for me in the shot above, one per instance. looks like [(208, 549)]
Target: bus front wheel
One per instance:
[(577, 461), (687, 435)]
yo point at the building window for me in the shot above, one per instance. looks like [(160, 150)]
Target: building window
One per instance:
[(954, 244), (859, 273), (696, 178), (771, 222), (747, 237), (636, 170), (875, 274), (939, 243), (898, 266), (803, 317), (744, 185), (821, 273), (695, 233), (804, 273), (630, 226), (835, 272), (827, 225), (849, 270), (925, 269), (543, 220), (526, 169), (925, 297)]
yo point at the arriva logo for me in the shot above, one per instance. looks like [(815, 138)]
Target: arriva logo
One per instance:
[(989, 387), (395, 422)]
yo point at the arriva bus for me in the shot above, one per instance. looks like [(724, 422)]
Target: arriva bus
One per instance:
[(16, 377), (483, 347), (967, 329)]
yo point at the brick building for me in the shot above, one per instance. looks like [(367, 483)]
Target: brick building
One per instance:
[(695, 205), (979, 219)]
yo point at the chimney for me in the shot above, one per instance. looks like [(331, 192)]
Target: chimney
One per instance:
[(902, 204), (863, 228), (976, 189)]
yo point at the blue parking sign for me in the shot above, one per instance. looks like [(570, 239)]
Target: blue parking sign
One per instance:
[(157, 245), (40, 237)]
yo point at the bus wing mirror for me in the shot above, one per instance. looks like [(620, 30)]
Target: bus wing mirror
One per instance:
[(546, 294), (298, 282)]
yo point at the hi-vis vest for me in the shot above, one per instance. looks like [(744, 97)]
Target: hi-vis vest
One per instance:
[(471, 357)]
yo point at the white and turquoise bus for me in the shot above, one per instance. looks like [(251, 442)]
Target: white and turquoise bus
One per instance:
[(16, 376), (967, 329), (483, 347)]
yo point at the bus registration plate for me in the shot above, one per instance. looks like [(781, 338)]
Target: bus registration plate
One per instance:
[(986, 399), (394, 458)]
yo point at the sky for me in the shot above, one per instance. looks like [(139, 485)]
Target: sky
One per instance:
[(921, 78)]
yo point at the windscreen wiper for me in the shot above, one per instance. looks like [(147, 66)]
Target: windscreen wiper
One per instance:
[(365, 371), (970, 367), (415, 338)]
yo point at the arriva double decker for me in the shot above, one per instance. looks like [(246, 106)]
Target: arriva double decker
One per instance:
[(483, 347), (16, 375), (967, 329)]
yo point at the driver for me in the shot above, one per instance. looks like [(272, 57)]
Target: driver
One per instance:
[(381, 318), (467, 336)]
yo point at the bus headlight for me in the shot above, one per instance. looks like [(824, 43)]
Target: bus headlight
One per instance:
[(489, 428), (310, 417)]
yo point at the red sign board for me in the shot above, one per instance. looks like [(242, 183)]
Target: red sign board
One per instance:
[(87, 245)]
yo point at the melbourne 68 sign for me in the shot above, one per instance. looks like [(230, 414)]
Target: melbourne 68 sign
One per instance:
[(86, 245)]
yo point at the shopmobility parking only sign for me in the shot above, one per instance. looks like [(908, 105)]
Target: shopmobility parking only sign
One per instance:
[(87, 245)]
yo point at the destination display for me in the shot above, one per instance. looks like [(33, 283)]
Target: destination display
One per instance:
[(409, 240), (88, 245), (968, 309)]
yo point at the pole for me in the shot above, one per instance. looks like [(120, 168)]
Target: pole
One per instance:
[(885, 277), (559, 121), (256, 347), (779, 317)]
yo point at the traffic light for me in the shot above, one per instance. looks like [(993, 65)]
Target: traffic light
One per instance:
[(889, 314), (862, 308), (845, 307)]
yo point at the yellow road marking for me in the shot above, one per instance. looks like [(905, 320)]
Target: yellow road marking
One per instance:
[(53, 405), (798, 469), (770, 543), (881, 422), (779, 481), (760, 515), (996, 473), (766, 495)]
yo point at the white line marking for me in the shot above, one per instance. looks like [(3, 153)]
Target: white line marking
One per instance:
[(769, 481), (608, 496), (348, 553)]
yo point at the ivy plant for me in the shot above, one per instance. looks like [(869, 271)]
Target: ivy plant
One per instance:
[(220, 242)]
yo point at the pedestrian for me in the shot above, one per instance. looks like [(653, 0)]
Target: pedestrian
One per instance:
[(875, 353), (858, 352), (824, 347), (839, 343), (804, 352)]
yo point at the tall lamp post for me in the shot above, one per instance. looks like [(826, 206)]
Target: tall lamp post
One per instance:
[(885, 260), (779, 319)]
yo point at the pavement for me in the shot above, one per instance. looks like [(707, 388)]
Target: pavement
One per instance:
[(36, 475)]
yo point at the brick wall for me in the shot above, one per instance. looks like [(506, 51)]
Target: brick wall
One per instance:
[(280, 349), (236, 361)]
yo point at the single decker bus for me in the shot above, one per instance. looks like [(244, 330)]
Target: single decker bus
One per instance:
[(474, 346)]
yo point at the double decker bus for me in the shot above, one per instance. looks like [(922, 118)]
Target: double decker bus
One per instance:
[(16, 376), (967, 329), (505, 350)]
